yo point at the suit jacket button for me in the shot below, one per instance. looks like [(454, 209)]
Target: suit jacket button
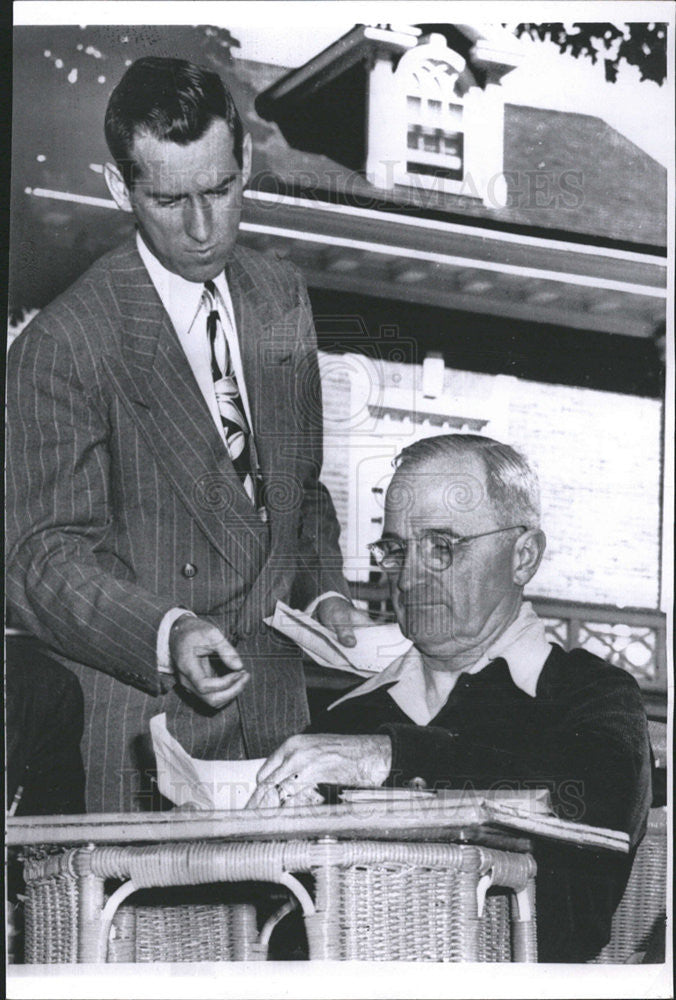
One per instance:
[(189, 571)]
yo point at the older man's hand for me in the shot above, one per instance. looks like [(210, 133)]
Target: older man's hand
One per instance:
[(338, 614), (304, 761)]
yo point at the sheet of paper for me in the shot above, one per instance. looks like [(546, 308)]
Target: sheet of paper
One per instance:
[(377, 645), (201, 784)]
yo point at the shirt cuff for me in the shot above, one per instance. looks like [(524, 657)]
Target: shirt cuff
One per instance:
[(164, 664), (312, 606)]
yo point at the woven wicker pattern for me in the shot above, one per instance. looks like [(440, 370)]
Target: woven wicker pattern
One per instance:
[(197, 933), (373, 901), (399, 913), (495, 929), (644, 902), (51, 910), (393, 912), (122, 937)]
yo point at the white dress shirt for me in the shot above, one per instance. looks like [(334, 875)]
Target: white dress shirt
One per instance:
[(523, 645), (184, 303)]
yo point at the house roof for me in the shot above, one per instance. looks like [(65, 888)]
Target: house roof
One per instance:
[(593, 259), (566, 172), (581, 242)]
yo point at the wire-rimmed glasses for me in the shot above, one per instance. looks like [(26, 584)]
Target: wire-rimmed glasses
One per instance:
[(435, 547)]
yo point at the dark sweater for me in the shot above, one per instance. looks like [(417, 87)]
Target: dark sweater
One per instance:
[(584, 737)]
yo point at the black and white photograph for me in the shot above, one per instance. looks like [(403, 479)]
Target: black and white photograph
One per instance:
[(340, 500)]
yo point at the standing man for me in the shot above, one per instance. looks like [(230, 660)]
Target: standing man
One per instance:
[(165, 447)]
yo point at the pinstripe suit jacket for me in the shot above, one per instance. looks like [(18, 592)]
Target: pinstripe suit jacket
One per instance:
[(118, 479)]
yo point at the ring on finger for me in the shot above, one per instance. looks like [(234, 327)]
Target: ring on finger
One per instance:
[(284, 788)]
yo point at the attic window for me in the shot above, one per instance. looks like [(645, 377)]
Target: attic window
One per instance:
[(434, 127)]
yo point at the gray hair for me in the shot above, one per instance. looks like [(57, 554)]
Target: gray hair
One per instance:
[(511, 483)]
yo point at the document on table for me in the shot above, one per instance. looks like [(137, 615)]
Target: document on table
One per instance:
[(200, 784), (377, 645), (553, 828)]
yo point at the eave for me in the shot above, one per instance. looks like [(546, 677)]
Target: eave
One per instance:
[(468, 268), (354, 47)]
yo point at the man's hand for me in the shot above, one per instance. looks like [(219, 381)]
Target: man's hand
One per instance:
[(304, 761), (191, 642), (342, 617)]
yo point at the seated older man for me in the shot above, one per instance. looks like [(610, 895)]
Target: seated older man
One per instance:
[(482, 698)]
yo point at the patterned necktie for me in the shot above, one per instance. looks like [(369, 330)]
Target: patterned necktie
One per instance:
[(238, 437)]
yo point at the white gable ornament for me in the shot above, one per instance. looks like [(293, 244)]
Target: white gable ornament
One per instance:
[(431, 127)]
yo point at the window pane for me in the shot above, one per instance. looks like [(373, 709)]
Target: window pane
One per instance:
[(455, 114), (414, 139), (453, 145)]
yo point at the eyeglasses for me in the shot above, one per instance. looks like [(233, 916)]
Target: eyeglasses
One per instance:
[(436, 548)]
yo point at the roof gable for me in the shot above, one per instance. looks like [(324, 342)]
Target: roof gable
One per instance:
[(566, 172)]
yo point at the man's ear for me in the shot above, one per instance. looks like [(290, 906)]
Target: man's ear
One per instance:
[(117, 187), (528, 552), (246, 159)]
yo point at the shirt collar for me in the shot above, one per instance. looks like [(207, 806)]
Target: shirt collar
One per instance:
[(181, 299), (523, 645)]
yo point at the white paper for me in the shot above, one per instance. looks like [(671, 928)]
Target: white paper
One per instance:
[(377, 645), (201, 784)]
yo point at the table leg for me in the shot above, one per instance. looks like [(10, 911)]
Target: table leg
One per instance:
[(323, 926), (89, 918), (524, 938)]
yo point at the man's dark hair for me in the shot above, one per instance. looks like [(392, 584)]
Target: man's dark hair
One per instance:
[(170, 99)]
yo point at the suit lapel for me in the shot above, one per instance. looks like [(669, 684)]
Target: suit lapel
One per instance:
[(254, 315), (267, 338), (154, 377), (267, 335)]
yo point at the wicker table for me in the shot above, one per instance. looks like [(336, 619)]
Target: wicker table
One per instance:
[(430, 880)]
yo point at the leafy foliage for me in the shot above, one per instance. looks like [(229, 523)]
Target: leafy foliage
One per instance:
[(641, 45)]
